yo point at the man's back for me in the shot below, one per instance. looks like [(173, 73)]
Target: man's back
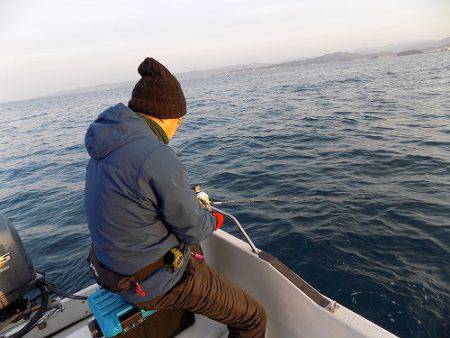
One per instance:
[(127, 227), (143, 216), (118, 145)]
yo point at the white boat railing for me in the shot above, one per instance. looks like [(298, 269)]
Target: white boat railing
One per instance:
[(240, 227)]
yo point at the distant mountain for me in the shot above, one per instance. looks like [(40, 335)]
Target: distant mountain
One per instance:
[(332, 57), (405, 45), (399, 49), (429, 46), (105, 86), (195, 74), (410, 52)]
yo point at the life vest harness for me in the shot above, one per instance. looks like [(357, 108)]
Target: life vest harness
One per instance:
[(116, 282)]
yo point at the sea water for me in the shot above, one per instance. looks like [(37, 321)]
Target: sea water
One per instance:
[(370, 139)]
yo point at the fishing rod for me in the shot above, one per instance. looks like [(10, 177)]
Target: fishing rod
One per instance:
[(248, 200), (280, 199)]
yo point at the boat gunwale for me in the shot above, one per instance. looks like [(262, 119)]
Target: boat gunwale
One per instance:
[(299, 282)]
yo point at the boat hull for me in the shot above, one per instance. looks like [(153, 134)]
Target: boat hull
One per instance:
[(292, 312), (294, 308)]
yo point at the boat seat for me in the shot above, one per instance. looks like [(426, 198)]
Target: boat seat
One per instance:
[(115, 316)]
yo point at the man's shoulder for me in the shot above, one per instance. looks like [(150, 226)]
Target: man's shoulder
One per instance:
[(146, 144), (164, 154), (162, 160)]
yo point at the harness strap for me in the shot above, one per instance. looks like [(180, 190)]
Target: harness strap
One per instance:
[(116, 282)]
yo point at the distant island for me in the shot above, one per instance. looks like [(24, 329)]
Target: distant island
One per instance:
[(442, 45), (331, 57), (410, 52), (401, 49), (421, 48)]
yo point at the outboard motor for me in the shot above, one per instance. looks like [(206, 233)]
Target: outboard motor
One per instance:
[(17, 274), (20, 312), (18, 280)]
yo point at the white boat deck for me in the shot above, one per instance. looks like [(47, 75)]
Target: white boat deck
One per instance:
[(203, 327), (291, 313)]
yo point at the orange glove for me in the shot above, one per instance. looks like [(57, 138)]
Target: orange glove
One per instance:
[(219, 219)]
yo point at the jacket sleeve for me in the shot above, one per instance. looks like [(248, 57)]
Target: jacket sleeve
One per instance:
[(176, 202)]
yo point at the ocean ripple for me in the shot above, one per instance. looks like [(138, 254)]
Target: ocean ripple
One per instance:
[(363, 147)]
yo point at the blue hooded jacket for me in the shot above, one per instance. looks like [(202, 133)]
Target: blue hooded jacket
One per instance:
[(138, 201)]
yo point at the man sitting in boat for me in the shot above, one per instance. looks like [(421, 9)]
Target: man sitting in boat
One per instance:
[(143, 217)]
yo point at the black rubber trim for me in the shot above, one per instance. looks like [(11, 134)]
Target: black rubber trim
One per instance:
[(307, 289)]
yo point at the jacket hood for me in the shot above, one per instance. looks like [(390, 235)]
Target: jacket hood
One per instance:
[(115, 127)]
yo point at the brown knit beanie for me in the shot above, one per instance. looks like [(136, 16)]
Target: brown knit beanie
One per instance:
[(158, 93)]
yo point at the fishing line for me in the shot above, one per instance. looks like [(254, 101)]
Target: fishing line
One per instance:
[(282, 199)]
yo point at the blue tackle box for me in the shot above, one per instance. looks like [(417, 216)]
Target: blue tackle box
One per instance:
[(111, 311)]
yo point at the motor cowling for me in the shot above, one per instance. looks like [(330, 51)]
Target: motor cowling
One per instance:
[(16, 269)]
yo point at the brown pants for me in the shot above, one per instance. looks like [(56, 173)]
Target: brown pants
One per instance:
[(204, 291)]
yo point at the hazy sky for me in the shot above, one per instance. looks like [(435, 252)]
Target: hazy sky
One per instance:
[(51, 45)]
